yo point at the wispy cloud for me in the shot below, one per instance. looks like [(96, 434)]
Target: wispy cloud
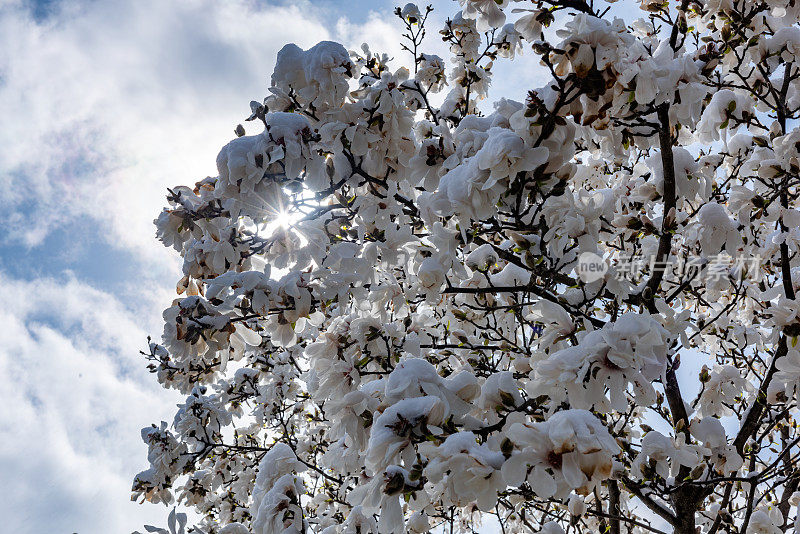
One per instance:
[(104, 104), (107, 103), (75, 396)]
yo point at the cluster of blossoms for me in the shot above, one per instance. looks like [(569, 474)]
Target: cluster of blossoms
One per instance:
[(380, 324)]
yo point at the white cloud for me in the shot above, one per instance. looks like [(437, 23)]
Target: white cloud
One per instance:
[(104, 105), (75, 394)]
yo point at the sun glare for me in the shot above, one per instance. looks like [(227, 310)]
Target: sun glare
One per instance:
[(284, 219)]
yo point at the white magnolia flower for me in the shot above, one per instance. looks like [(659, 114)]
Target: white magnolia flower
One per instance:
[(788, 374), (317, 76), (724, 385), (489, 13), (529, 26), (724, 110), (469, 472), (278, 510), (629, 353), (576, 505), (411, 13), (482, 258), (664, 456), (712, 434), (572, 450), (718, 230), (394, 429), (551, 527), (431, 275), (500, 389), (765, 521)]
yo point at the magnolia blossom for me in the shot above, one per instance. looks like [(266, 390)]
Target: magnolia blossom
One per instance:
[(472, 471), (765, 522), (384, 322), (278, 511), (710, 432), (572, 450), (725, 110), (720, 390), (717, 230), (316, 76), (788, 373), (488, 12), (431, 276), (470, 191), (628, 353), (504, 154), (529, 25), (663, 456), (397, 426)]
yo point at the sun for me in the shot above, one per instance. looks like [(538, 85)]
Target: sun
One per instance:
[(284, 219)]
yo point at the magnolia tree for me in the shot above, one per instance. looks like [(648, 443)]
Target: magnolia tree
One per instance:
[(400, 313)]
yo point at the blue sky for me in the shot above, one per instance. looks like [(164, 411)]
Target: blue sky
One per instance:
[(104, 105)]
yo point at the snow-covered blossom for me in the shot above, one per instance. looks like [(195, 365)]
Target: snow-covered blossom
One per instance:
[(572, 450), (711, 433), (411, 13), (383, 322), (470, 191), (627, 354), (316, 77), (278, 510), (509, 41), (500, 389), (723, 385), (398, 425), (471, 472), (167, 457), (576, 505), (725, 110), (277, 491)]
